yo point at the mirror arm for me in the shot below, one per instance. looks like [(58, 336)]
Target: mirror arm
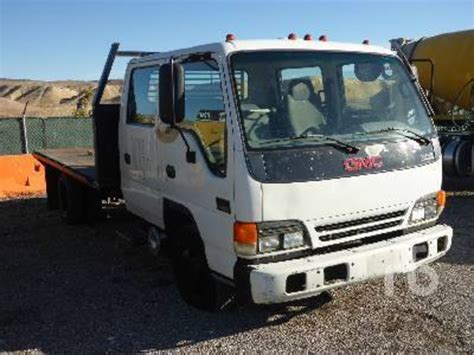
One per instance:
[(190, 155)]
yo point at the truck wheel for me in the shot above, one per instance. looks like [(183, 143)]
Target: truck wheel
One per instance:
[(193, 277), (93, 205), (71, 200), (52, 192)]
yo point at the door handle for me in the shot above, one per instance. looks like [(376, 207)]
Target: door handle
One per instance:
[(127, 158), (170, 171)]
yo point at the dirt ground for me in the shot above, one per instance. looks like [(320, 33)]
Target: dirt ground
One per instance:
[(50, 98), (96, 288)]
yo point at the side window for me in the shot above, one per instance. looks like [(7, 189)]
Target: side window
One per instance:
[(143, 96), (205, 112), (242, 83)]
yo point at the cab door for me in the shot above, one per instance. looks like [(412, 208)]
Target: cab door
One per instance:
[(204, 186), (138, 154)]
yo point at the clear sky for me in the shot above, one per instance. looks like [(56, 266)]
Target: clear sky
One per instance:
[(69, 39)]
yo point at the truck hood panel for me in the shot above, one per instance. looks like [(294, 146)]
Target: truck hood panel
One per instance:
[(325, 162), (352, 196)]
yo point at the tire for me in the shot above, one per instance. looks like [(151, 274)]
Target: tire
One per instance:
[(71, 200), (194, 280), (52, 192), (93, 205)]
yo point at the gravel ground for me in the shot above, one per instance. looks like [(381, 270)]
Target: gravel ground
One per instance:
[(95, 288)]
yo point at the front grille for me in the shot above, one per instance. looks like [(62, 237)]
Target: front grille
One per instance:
[(357, 222), (357, 231), (360, 226), (332, 248)]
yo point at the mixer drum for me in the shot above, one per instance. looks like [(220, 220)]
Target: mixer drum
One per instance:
[(452, 55)]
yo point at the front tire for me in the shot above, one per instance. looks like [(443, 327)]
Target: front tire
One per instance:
[(194, 280)]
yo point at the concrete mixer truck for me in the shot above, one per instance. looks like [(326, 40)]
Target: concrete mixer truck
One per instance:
[(445, 67)]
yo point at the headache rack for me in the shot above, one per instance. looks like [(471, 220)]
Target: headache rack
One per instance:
[(105, 123)]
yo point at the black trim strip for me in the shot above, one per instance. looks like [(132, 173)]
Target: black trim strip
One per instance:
[(337, 247), (223, 205)]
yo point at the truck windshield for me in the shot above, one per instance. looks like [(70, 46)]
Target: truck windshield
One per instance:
[(352, 97)]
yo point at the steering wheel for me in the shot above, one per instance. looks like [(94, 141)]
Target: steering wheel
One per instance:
[(262, 113)]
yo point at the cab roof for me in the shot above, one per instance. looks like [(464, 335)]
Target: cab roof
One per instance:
[(228, 47)]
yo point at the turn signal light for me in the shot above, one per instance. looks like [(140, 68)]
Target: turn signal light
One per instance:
[(245, 233), (230, 37), (245, 238), (441, 198)]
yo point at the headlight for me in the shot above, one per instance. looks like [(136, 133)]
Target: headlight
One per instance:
[(293, 240), (269, 243), (428, 208), (253, 238)]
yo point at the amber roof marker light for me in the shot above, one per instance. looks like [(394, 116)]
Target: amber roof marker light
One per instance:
[(230, 37), (292, 36)]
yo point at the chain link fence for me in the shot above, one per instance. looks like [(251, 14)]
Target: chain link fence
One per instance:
[(44, 133)]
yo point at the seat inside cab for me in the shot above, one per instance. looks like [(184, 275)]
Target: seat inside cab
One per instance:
[(303, 114)]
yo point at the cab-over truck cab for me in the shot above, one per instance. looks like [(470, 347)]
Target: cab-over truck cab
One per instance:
[(280, 169)]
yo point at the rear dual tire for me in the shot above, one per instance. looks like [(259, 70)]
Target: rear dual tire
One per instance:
[(52, 191), (71, 200), (77, 203)]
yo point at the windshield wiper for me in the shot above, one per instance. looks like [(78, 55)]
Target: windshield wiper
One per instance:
[(346, 146), (408, 133)]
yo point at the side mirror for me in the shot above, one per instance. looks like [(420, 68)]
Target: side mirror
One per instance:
[(171, 93)]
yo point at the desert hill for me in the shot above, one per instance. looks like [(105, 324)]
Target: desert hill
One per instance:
[(52, 98)]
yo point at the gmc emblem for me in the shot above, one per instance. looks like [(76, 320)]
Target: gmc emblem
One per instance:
[(359, 163)]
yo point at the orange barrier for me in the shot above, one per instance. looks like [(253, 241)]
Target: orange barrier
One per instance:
[(21, 175)]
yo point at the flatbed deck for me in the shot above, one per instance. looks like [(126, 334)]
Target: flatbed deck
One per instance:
[(78, 163)]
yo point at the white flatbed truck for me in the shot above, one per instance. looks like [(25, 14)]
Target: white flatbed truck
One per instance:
[(276, 169)]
